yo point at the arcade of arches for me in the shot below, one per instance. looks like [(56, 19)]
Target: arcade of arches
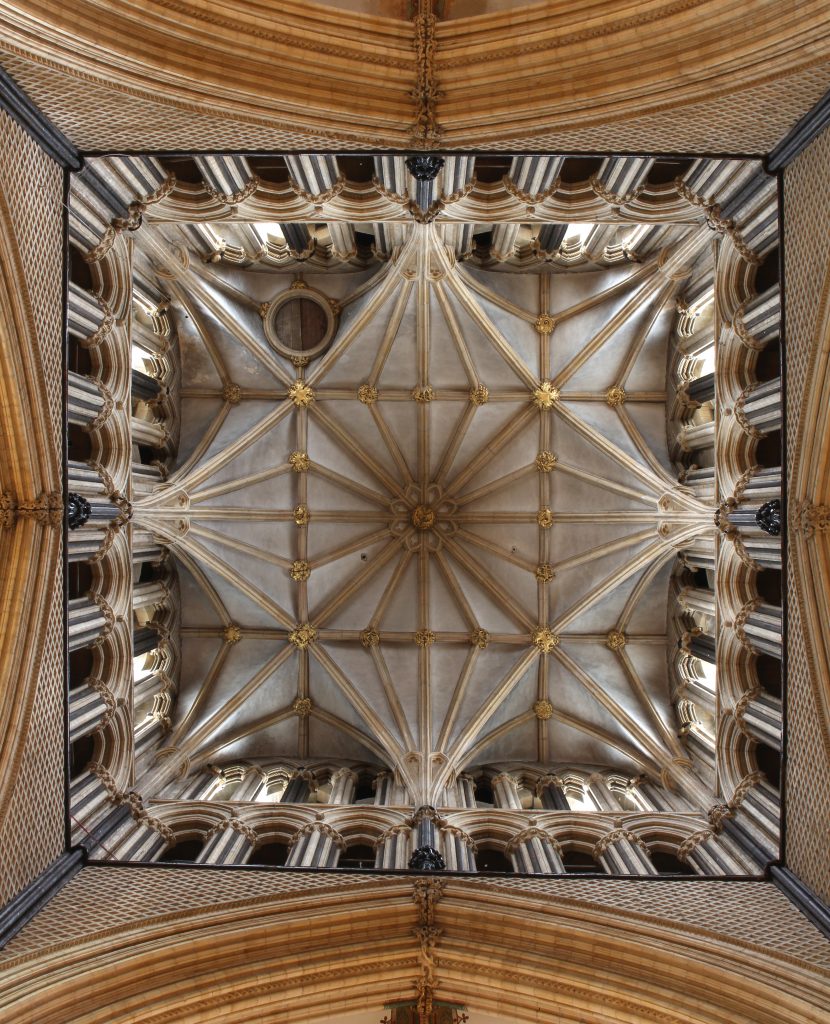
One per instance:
[(423, 582)]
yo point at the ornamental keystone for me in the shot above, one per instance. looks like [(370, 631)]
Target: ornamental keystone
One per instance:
[(370, 637), (423, 517), (231, 634), (232, 393), (367, 393), (424, 637), (545, 461), (302, 707), (545, 572), (543, 709), (479, 394), (300, 571), (544, 517), (423, 394), (545, 323), (615, 640), (615, 395), (302, 636), (479, 638), (545, 639), (301, 515), (546, 395), (299, 462), (301, 394)]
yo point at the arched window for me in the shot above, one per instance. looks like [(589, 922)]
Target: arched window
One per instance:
[(488, 858), (357, 856), (577, 862), (80, 666), (364, 790), (81, 753), (78, 579), (669, 864), (769, 762), (768, 672), (274, 854), (484, 791), (185, 850)]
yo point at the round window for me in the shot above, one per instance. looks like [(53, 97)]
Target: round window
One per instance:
[(300, 322)]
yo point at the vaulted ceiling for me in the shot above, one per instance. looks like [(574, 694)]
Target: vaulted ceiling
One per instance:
[(446, 541)]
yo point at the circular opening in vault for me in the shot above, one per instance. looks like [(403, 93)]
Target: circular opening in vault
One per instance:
[(300, 323)]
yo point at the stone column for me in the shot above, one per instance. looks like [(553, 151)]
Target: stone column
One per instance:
[(154, 592), (466, 791), (145, 689), (652, 797), (700, 554), (343, 784), (146, 477), (298, 789), (711, 854), (761, 804), (393, 847), (700, 645), (85, 542), (151, 433), (141, 842), (549, 790), (458, 849), (424, 169), (391, 172), (86, 480), (87, 797), (153, 726), (702, 389), (506, 790), (145, 640), (759, 627), (601, 794), (85, 399), (550, 237), (250, 787), (694, 437), (144, 387), (88, 706), (425, 823), (623, 853), (700, 744), (383, 786), (622, 175), (343, 239), (761, 714), (197, 786), (698, 599), (701, 479), (145, 547), (231, 841), (83, 312), (86, 621), (760, 406), (534, 174), (762, 316), (534, 852), (504, 240), (316, 845), (764, 485)]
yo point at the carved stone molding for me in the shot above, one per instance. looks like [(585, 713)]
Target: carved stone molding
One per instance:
[(808, 519)]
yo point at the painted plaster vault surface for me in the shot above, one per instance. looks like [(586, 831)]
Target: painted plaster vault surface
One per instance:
[(428, 536)]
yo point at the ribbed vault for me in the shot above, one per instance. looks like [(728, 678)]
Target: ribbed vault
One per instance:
[(444, 542)]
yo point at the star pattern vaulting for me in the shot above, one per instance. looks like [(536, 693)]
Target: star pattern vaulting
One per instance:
[(447, 540)]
